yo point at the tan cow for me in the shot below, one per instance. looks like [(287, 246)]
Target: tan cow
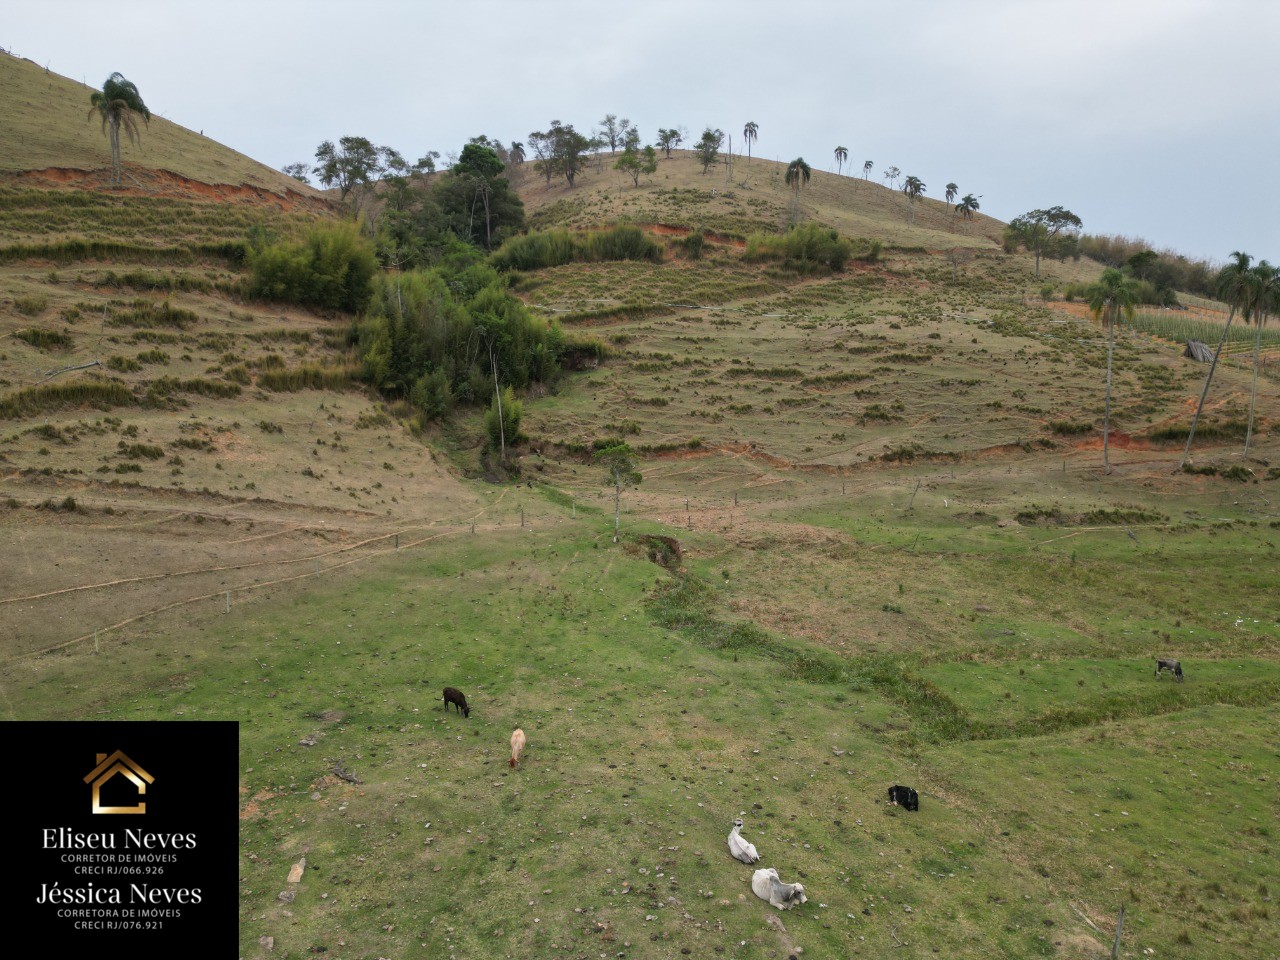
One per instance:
[(517, 745)]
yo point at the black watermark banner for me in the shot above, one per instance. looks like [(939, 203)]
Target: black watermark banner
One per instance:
[(124, 835)]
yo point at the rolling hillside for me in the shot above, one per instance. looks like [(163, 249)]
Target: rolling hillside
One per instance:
[(900, 560)]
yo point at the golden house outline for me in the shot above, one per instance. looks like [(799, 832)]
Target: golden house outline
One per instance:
[(108, 767)]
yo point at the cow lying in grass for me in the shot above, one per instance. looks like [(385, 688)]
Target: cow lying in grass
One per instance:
[(1173, 666), (766, 885), (905, 796)]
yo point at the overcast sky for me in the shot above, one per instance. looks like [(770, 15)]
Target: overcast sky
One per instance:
[(1152, 118)]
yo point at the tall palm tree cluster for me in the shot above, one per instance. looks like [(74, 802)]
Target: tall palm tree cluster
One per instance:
[(1253, 291), (119, 105)]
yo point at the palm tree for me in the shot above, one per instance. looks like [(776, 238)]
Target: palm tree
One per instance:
[(841, 156), (866, 168), (967, 206), (1233, 287), (749, 133), (797, 176), (1266, 289), (952, 190), (118, 103), (1116, 291), (517, 152), (914, 188)]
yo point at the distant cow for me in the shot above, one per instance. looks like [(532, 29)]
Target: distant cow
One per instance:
[(1173, 666), (904, 796), (517, 746), (457, 699)]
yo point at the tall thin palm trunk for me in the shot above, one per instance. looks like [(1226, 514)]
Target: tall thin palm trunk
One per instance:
[(1106, 416), (1191, 434), (1253, 394)]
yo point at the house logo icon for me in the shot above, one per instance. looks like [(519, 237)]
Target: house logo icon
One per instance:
[(110, 766)]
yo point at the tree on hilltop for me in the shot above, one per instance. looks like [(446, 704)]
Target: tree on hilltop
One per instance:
[(866, 169), (635, 162), (892, 175), (749, 133), (560, 151), (914, 188), (354, 162), (952, 190), (299, 171), (119, 104), (1043, 231), (842, 154), (1114, 293), (967, 206), (708, 148), (797, 176), (668, 140)]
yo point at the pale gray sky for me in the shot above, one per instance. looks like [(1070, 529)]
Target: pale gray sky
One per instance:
[(1154, 118)]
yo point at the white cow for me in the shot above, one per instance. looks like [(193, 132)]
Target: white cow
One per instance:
[(766, 885)]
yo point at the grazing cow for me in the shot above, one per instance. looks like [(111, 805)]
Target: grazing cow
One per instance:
[(766, 885), (517, 745), (457, 699), (1173, 666), (905, 796)]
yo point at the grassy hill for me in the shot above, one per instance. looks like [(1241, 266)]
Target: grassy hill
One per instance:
[(901, 562), (48, 133), (749, 196)]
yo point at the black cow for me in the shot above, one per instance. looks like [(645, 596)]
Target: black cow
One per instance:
[(458, 700), (904, 796), (1173, 666)]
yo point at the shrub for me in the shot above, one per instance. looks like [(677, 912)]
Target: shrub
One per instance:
[(432, 395), (103, 394), (807, 248), (332, 268), (553, 248), (30, 306), (44, 339), (506, 428)]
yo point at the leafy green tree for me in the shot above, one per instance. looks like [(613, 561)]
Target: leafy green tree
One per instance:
[(299, 171), (796, 177), (708, 148), (914, 188), (669, 140), (621, 470), (750, 133), (119, 105), (892, 175), (1037, 230), (616, 132), (1265, 289), (1114, 293), (635, 162), (1235, 287), (354, 163), (561, 151), (952, 190), (842, 154)]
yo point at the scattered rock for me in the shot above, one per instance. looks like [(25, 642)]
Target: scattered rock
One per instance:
[(267, 943), (296, 871), (775, 922), (309, 740), (286, 896), (982, 608)]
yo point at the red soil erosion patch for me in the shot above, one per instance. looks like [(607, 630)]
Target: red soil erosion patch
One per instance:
[(145, 182), (1120, 440)]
